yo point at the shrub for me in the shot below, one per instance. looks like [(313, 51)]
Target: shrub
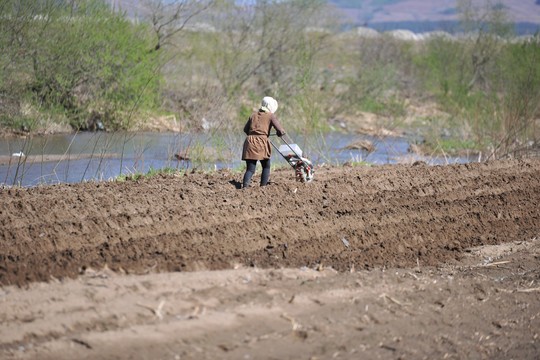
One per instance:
[(74, 56)]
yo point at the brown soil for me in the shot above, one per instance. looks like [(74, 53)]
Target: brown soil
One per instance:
[(377, 262)]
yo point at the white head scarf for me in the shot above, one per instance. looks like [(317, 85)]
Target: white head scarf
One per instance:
[(270, 104)]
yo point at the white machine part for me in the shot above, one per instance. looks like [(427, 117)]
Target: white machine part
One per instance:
[(291, 150), (303, 167)]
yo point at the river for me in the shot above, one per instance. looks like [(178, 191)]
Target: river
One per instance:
[(100, 156)]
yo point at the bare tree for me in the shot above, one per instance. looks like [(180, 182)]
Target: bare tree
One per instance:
[(489, 20), (265, 41), (171, 17)]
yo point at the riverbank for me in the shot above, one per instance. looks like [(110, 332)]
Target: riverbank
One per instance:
[(36, 159)]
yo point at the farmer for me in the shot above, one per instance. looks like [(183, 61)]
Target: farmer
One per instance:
[(257, 146)]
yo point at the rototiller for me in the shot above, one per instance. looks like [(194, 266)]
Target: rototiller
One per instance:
[(303, 168)]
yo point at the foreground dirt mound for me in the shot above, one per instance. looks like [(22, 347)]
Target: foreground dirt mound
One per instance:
[(361, 217), (485, 306)]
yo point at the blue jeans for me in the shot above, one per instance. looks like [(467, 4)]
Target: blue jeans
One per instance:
[(250, 170)]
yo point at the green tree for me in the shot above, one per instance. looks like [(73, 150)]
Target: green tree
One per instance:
[(74, 56), (519, 82)]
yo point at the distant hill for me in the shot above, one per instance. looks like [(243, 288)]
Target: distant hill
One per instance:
[(428, 15), (414, 15)]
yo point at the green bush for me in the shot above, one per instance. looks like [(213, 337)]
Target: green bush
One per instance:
[(519, 84), (500, 109), (76, 56)]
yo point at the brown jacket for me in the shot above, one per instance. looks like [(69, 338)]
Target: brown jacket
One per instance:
[(257, 146)]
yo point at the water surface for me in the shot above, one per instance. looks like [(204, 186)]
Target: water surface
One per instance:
[(71, 158)]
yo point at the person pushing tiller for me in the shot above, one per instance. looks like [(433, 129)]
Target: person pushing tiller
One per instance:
[(258, 147)]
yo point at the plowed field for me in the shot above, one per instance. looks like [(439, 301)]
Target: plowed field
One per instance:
[(333, 268)]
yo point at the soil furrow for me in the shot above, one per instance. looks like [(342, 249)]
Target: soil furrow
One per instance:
[(397, 215)]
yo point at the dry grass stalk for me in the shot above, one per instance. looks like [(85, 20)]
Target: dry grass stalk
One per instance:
[(295, 325), (155, 311)]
